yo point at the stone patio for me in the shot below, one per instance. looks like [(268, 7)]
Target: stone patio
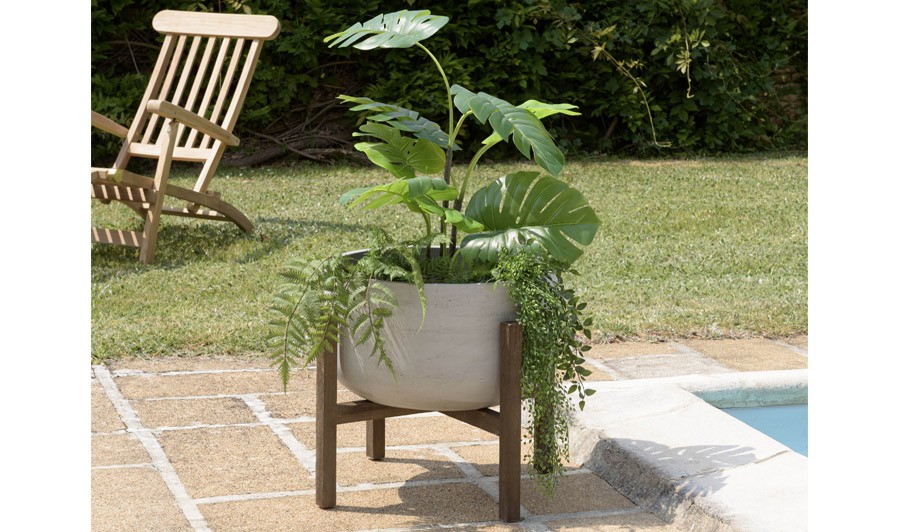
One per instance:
[(213, 444)]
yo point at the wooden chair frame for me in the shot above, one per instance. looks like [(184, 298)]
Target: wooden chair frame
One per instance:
[(507, 423), (187, 113)]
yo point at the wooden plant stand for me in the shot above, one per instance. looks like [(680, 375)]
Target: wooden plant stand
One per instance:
[(506, 423)]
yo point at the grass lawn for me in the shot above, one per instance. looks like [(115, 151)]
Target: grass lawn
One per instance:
[(698, 247)]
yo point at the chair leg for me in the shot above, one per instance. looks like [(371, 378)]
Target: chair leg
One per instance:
[(326, 428), (151, 222)]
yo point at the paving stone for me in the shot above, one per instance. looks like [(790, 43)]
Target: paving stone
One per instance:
[(581, 492), (147, 386), (399, 431), (117, 449), (441, 504), (757, 354), (233, 460), (653, 366), (104, 417), (630, 349), (801, 341), (613, 523), (397, 466), (486, 458), (597, 374), (133, 499), (191, 412), (300, 403), (194, 363)]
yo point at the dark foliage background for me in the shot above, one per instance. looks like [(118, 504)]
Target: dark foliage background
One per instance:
[(650, 76)]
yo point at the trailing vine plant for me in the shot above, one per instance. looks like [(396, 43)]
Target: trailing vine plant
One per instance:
[(524, 229)]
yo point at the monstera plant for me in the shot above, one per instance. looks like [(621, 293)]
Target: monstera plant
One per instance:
[(523, 230)]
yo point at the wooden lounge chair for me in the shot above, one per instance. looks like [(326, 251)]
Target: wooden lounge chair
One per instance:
[(188, 111)]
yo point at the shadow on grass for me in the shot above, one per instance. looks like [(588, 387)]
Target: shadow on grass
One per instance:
[(183, 244)]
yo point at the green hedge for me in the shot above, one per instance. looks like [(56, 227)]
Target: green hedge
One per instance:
[(703, 75)]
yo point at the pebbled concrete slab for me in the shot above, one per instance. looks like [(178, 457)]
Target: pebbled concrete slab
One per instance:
[(668, 365), (104, 417), (441, 504), (631, 349), (299, 403), (133, 499), (192, 412), (397, 466), (580, 492), (632, 522), (196, 363), (399, 431), (117, 449), (756, 354), (200, 384), (233, 460)]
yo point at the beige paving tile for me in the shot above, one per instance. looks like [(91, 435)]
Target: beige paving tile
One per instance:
[(756, 354), (597, 374), (133, 499), (117, 449), (614, 523), (104, 417), (389, 508), (486, 458), (399, 431), (299, 403), (233, 460), (630, 349), (801, 341), (397, 466), (146, 386), (574, 493), (190, 412), (195, 363)]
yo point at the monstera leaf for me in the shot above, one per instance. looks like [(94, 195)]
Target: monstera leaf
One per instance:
[(402, 156), (525, 206), (400, 29), (540, 110), (528, 134), (401, 118), (419, 194)]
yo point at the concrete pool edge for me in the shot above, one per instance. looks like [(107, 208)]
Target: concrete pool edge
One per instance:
[(676, 455)]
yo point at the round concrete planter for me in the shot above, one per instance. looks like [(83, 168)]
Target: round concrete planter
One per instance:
[(449, 362)]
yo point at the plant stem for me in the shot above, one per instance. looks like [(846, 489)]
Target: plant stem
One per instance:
[(462, 190), (448, 164)]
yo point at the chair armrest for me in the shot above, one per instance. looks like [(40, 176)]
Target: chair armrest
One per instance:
[(110, 126), (193, 120)]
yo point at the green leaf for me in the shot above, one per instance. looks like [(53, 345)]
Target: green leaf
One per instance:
[(528, 134), (399, 155), (401, 118), (530, 207), (540, 110), (400, 29)]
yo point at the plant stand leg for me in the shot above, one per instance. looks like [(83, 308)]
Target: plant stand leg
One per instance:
[(510, 421), (326, 428), (375, 439)]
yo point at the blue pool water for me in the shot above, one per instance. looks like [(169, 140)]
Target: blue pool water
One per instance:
[(786, 424)]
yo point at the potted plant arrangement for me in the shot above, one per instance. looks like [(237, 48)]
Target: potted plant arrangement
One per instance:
[(417, 321)]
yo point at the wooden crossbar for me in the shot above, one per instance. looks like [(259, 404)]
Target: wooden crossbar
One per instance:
[(122, 193), (507, 423)]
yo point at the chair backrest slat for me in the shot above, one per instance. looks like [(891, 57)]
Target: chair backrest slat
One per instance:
[(186, 71), (237, 100), (140, 119), (198, 81), (163, 93), (210, 87), (224, 88)]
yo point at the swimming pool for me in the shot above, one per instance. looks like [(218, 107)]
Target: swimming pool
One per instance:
[(787, 424)]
